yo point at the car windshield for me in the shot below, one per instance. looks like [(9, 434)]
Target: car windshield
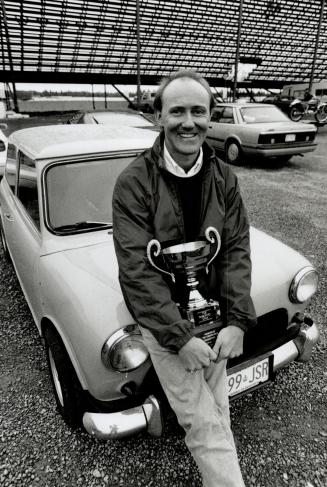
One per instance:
[(263, 114), (78, 194)]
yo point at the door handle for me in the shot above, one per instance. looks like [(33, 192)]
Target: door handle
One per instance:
[(9, 217), (210, 126)]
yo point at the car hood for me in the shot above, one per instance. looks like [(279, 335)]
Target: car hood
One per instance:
[(274, 265), (281, 127)]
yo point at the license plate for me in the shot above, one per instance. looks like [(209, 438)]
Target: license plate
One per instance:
[(250, 376), (290, 137)]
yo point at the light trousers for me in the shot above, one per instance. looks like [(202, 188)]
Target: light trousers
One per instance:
[(200, 402)]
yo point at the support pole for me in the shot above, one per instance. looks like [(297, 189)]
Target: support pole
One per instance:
[(138, 56), (316, 45), (93, 103), (105, 97), (130, 103), (237, 55), (9, 55)]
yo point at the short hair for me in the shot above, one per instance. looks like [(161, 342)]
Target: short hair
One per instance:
[(182, 73)]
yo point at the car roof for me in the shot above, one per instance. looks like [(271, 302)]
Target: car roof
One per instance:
[(123, 118), (54, 141), (243, 104)]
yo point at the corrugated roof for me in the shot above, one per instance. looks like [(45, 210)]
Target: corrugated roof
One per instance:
[(69, 40)]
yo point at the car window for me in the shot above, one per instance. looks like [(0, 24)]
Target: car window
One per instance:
[(11, 167), (227, 116), (81, 192), (217, 113), (27, 187), (262, 114)]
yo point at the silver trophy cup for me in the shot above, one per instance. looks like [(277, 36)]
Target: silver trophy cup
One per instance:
[(187, 260)]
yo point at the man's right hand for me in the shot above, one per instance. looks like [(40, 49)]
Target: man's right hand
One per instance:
[(196, 354)]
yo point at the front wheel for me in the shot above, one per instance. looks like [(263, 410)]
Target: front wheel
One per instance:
[(296, 113), (66, 386), (321, 114), (233, 153)]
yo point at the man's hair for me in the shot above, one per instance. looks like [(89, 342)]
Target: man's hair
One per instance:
[(183, 73)]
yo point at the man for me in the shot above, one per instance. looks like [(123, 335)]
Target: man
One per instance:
[(173, 192)]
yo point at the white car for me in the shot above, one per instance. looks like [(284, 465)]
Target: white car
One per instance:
[(256, 130), (56, 227)]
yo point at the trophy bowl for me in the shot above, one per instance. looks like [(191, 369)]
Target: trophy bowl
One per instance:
[(188, 259)]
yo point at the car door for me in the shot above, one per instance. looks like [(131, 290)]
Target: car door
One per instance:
[(25, 232), (220, 126), (8, 191)]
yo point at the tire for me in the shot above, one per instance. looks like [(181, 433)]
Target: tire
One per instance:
[(233, 152), (4, 243), (296, 113), (321, 114), (66, 386)]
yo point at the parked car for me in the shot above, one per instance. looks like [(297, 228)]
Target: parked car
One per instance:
[(122, 119), (146, 101), (56, 227), (3, 151), (255, 130)]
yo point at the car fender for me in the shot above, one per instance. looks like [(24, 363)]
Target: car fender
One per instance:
[(82, 299)]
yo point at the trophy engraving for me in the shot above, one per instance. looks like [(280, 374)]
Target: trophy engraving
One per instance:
[(188, 259)]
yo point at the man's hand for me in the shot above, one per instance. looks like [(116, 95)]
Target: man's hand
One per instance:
[(196, 354), (229, 343)]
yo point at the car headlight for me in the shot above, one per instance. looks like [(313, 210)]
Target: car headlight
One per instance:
[(304, 285), (124, 350)]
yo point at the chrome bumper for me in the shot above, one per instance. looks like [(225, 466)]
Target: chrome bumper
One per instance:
[(147, 417), (300, 348), (109, 426)]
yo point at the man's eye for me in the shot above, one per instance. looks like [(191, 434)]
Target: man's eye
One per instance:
[(199, 111), (176, 111)]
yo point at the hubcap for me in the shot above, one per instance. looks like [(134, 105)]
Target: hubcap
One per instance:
[(233, 152), (55, 377)]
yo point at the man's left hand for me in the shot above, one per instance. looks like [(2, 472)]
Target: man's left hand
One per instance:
[(229, 343)]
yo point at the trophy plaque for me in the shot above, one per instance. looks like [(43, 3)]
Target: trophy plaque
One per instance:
[(187, 260)]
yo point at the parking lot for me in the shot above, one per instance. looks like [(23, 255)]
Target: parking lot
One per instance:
[(281, 430)]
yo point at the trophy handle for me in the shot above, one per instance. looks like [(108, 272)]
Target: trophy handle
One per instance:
[(212, 235), (156, 247)]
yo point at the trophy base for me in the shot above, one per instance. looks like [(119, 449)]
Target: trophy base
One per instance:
[(208, 332)]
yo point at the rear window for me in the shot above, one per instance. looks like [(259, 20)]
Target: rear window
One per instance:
[(262, 114)]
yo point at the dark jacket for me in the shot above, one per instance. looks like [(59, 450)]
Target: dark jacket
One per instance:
[(146, 206)]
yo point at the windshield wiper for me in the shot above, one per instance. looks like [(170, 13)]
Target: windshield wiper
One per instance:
[(87, 224)]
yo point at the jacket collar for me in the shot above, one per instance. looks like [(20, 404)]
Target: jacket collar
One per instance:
[(157, 151)]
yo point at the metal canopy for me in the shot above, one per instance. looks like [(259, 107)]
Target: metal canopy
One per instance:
[(83, 41)]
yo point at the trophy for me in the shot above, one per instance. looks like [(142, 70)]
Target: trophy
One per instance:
[(187, 260)]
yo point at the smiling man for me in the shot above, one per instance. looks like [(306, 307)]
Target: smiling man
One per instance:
[(173, 192)]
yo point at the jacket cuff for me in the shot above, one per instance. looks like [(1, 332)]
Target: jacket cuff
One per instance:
[(244, 325), (174, 336)]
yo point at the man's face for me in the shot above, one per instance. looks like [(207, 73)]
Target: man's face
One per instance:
[(185, 117)]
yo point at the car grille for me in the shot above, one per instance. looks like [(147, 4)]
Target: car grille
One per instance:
[(270, 332), (273, 138)]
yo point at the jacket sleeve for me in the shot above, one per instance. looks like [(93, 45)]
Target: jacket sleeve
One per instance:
[(146, 293), (233, 265)]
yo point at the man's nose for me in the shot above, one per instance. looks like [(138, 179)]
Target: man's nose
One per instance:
[(188, 121)]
